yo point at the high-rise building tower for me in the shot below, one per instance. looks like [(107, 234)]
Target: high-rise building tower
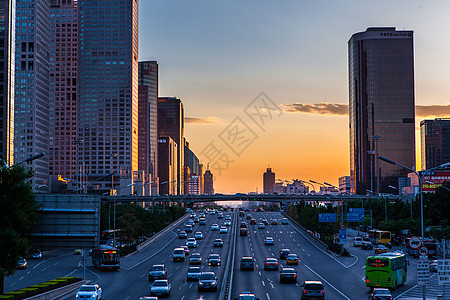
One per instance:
[(108, 89), (171, 123), (208, 182), (63, 88), (31, 116), (268, 181), (7, 61), (435, 142), (168, 169), (381, 107), (148, 120)]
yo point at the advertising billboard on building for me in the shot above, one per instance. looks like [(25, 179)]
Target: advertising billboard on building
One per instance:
[(437, 178)]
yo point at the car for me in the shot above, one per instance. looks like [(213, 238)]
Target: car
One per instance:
[(192, 215), (434, 266), (77, 252), (148, 298), (223, 229), (202, 215), (243, 232), (89, 291), (243, 225), (249, 216), (196, 219), (218, 243), (271, 264), (214, 227), (227, 223), (252, 221), (178, 254), (269, 241), (214, 259), (247, 263), (198, 235), (284, 253), (288, 275), (312, 290), (220, 215), (186, 250), (160, 287), (246, 296), (22, 263), (191, 243), (36, 254), (366, 245), (182, 235), (261, 226), (380, 294), (380, 249), (292, 259), (241, 214), (191, 222), (195, 259), (207, 281), (202, 221), (193, 274), (274, 222), (188, 228), (284, 221), (157, 272), (227, 218), (265, 222), (357, 241)]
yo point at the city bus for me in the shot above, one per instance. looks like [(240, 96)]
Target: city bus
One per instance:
[(106, 258), (387, 270), (380, 237)]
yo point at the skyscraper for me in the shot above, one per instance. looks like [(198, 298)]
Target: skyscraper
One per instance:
[(435, 142), (268, 181), (31, 116), (148, 120), (63, 87), (108, 89), (171, 123), (381, 107), (7, 61), (168, 168), (208, 182)]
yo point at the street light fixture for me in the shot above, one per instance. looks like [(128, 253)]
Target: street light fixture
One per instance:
[(302, 181), (29, 159), (326, 192)]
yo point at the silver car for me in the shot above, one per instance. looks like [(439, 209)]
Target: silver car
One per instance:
[(160, 288), (86, 291)]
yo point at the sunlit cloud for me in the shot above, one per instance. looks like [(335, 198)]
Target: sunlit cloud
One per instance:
[(201, 120), (324, 108)]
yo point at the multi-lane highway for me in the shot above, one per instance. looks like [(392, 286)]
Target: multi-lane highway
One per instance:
[(342, 276)]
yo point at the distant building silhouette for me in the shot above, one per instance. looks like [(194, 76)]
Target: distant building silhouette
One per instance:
[(381, 107), (208, 182), (435, 142), (268, 181), (168, 168)]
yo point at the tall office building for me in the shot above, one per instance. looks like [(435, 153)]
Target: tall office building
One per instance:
[(381, 110), (208, 184), (63, 87), (171, 123), (435, 142), (7, 61), (148, 120), (108, 90), (168, 168), (31, 116), (268, 181)]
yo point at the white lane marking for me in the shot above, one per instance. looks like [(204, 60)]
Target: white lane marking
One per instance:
[(308, 254), (191, 285), (56, 263), (363, 267), (259, 272), (39, 264), (12, 284), (28, 272), (182, 298), (298, 244), (142, 275), (268, 297), (44, 269), (21, 278), (328, 283), (128, 298), (263, 283)]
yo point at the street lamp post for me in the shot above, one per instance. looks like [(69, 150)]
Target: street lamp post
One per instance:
[(371, 153), (420, 177), (29, 159), (326, 192), (115, 195), (302, 181), (376, 138)]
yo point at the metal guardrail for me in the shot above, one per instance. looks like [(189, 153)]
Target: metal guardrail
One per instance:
[(225, 289)]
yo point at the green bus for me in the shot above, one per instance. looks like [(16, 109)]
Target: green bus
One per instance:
[(387, 270)]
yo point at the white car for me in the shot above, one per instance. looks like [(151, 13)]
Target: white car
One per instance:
[(160, 288), (89, 292), (198, 235), (191, 243), (227, 223), (214, 227), (223, 229)]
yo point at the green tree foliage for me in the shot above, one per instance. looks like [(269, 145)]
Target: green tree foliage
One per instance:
[(17, 214)]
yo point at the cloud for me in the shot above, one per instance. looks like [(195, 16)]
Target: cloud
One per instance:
[(322, 108), (325, 108), (201, 120)]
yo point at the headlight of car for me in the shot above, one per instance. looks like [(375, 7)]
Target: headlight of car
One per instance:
[(200, 283)]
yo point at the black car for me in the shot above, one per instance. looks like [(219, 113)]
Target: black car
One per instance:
[(380, 294), (218, 243), (284, 253), (182, 235), (313, 290), (247, 263), (207, 281), (288, 275), (366, 245), (157, 272)]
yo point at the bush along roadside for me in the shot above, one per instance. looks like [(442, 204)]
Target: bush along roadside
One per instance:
[(39, 288)]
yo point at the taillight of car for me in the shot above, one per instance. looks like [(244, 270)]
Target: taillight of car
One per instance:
[(267, 264), (276, 264), (323, 292), (305, 292)]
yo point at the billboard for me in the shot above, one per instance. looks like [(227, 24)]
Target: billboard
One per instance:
[(437, 178)]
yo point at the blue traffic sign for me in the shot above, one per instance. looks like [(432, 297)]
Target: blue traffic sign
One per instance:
[(355, 215), (327, 217), (342, 236)]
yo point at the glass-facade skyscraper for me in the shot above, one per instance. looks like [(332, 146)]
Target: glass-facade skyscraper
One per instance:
[(31, 118), (381, 107), (108, 88), (7, 62), (435, 142)]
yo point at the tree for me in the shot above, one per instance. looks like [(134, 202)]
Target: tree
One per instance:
[(17, 214)]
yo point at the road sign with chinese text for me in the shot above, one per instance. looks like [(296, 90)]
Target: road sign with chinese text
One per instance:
[(327, 217), (355, 215), (444, 271), (423, 272)]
